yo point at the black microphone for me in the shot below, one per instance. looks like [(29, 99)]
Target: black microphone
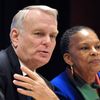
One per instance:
[(95, 86)]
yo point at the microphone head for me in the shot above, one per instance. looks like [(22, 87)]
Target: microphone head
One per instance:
[(95, 86)]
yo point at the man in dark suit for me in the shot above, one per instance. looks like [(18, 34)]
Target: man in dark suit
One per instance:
[(33, 38)]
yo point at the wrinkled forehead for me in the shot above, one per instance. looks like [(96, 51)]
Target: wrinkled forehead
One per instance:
[(38, 12), (37, 15)]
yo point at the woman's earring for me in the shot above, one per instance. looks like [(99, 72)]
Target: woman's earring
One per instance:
[(71, 67)]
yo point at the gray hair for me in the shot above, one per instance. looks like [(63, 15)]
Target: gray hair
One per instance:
[(17, 21)]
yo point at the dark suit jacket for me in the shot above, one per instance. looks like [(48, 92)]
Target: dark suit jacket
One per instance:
[(9, 65)]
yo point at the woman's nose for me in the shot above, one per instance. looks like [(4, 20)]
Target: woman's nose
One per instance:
[(94, 51)]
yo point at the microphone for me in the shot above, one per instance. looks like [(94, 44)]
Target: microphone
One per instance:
[(95, 86)]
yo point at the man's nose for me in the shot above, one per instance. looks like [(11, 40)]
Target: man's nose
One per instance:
[(46, 40)]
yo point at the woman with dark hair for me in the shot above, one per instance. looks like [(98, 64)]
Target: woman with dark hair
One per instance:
[(80, 47)]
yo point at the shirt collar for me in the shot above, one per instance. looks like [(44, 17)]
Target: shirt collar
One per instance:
[(21, 64)]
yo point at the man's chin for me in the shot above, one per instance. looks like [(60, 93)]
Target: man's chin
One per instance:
[(44, 63)]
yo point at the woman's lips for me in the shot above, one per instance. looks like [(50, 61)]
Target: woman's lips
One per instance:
[(95, 61)]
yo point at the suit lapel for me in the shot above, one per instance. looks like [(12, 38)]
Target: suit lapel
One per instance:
[(15, 67)]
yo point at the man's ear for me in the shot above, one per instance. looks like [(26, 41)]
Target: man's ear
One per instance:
[(14, 37), (68, 59)]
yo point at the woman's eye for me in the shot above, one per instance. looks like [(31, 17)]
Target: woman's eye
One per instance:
[(84, 48), (97, 47)]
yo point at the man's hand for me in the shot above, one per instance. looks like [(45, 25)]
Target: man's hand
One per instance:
[(33, 86)]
